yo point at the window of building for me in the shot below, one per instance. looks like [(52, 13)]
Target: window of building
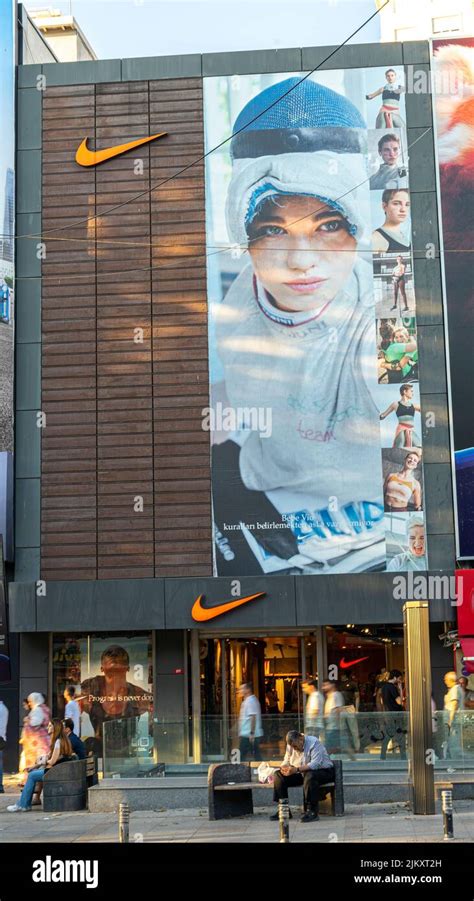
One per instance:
[(406, 34), (445, 24), (112, 680)]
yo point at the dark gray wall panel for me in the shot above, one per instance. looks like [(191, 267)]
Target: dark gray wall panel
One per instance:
[(169, 651), (27, 75), (28, 265), (429, 302), (418, 106), (276, 609), (441, 551), (28, 311), (27, 512), (27, 564), (28, 187), (22, 606), (155, 67), (88, 72), (27, 442), (435, 439), (424, 217), (29, 119), (353, 56), (421, 159), (369, 598), (109, 605), (28, 377), (432, 359), (438, 498), (416, 52), (247, 62)]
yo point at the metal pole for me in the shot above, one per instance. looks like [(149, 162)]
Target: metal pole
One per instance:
[(284, 817), (124, 822), (447, 805), (196, 695)]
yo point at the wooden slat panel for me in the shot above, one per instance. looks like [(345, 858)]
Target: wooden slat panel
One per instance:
[(124, 419)]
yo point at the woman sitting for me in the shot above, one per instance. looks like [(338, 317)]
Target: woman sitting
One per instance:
[(60, 750)]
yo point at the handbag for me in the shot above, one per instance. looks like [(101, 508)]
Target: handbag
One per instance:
[(265, 774)]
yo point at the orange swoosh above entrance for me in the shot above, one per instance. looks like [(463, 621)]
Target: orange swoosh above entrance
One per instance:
[(86, 157), (201, 614)]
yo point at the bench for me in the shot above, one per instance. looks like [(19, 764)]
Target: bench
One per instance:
[(65, 787), (92, 776), (230, 790)]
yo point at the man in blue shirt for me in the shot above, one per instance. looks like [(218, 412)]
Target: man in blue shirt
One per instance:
[(77, 745), (305, 763)]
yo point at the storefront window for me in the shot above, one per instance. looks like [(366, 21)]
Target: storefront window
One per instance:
[(110, 677)]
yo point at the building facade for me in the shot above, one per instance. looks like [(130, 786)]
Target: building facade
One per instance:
[(124, 534)]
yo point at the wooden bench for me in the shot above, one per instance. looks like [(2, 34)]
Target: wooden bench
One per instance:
[(230, 790), (92, 776), (65, 787)]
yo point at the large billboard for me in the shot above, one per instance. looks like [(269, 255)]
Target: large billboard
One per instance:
[(453, 83), (315, 408)]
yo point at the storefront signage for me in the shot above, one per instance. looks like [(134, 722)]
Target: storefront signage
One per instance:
[(86, 157), (203, 614), (346, 664)]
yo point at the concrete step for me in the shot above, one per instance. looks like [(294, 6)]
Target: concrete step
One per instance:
[(176, 793)]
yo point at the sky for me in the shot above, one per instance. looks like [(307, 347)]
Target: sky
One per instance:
[(131, 28)]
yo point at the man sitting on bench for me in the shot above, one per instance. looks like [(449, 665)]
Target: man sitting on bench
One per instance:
[(306, 763)]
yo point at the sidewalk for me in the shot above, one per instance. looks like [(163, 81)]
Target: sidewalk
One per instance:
[(361, 823)]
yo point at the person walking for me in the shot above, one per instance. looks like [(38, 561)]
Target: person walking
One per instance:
[(314, 712), (393, 725), (307, 763), (3, 739), (453, 704), (250, 724), (72, 710), (333, 704), (59, 751), (34, 735)]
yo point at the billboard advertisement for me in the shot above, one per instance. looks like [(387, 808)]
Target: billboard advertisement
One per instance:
[(314, 385), (111, 679), (453, 86)]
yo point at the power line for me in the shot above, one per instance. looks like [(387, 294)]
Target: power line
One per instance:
[(222, 143), (231, 247)]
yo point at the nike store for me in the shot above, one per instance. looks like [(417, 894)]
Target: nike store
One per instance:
[(232, 427)]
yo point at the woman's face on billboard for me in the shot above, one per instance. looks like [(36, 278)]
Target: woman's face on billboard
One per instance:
[(397, 208), (302, 252)]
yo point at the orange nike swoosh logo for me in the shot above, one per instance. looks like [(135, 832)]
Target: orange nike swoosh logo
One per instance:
[(202, 614), (86, 157), (345, 664)]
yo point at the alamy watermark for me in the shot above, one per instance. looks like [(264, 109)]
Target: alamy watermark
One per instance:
[(413, 586), (441, 81), (220, 418)]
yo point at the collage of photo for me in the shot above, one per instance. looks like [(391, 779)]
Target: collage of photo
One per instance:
[(398, 394)]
